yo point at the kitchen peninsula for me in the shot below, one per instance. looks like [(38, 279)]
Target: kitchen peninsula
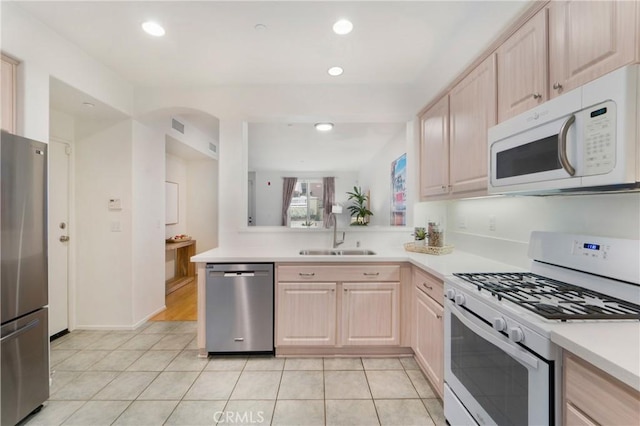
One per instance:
[(409, 274)]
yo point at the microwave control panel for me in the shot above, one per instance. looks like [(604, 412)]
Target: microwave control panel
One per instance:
[(599, 138)]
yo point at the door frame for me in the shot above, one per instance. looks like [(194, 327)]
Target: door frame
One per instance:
[(71, 226)]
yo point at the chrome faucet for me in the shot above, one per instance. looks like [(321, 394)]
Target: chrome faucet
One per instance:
[(336, 243)]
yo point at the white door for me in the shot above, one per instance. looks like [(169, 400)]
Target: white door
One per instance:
[(58, 236)]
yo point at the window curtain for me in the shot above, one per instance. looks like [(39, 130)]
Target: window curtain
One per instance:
[(328, 199), (288, 186)]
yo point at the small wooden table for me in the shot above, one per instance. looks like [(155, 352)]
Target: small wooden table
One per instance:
[(185, 270)]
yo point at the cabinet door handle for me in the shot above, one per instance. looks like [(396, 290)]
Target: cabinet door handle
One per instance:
[(537, 96), (557, 86), (427, 286), (307, 274), (371, 274)]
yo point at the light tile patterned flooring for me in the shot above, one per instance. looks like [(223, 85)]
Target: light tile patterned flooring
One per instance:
[(152, 376)]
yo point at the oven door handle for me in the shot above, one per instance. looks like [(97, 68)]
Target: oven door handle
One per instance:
[(512, 350)]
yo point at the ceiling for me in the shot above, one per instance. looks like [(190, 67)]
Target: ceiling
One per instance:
[(216, 43), (421, 44)]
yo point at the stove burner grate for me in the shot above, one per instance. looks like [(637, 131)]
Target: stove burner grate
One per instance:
[(550, 298)]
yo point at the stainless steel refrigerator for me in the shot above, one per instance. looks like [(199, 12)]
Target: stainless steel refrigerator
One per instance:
[(23, 277)]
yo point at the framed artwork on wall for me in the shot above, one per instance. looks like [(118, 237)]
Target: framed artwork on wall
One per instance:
[(399, 191)]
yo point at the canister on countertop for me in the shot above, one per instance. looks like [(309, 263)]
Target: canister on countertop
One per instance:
[(436, 236)]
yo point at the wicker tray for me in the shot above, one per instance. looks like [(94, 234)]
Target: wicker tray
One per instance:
[(419, 248)]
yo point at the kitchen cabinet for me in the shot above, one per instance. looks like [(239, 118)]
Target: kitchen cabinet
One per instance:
[(593, 397), (434, 149), (370, 313), (428, 335), (306, 314), (8, 93), (522, 68), (338, 305), (453, 156), (590, 39), (472, 110)]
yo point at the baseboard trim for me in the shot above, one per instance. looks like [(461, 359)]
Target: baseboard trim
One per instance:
[(367, 351)]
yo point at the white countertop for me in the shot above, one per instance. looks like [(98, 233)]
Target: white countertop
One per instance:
[(440, 266), (612, 347)]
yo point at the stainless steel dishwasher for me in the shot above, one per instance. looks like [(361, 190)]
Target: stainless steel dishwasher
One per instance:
[(239, 304)]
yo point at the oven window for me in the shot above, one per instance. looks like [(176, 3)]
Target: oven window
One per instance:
[(496, 381), (534, 157)]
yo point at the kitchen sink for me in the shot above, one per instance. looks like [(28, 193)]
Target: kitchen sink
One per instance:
[(337, 252)]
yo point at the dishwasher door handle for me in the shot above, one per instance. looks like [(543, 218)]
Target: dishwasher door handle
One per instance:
[(240, 274)]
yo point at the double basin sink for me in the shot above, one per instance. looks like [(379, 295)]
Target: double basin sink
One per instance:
[(337, 252)]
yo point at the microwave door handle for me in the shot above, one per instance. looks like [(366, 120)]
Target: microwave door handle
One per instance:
[(562, 145), (513, 351)]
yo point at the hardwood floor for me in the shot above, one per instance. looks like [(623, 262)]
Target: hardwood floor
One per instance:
[(181, 305)]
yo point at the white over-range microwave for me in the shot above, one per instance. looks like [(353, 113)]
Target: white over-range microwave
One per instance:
[(584, 140)]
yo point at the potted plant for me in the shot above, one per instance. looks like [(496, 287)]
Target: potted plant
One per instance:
[(420, 234), (359, 207)]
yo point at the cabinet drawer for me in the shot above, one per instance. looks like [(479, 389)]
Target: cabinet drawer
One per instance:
[(598, 395), (429, 284), (334, 273)]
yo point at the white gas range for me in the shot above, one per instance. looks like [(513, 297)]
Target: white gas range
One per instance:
[(500, 364)]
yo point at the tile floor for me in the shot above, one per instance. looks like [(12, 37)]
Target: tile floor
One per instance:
[(152, 376)]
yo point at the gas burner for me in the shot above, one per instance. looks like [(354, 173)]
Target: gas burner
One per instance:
[(548, 309), (550, 298)]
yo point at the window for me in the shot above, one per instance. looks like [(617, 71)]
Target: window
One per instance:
[(306, 207)]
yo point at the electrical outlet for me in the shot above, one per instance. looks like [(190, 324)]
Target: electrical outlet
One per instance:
[(462, 222), (492, 223)]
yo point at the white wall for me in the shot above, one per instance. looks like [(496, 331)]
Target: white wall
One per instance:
[(148, 288), (176, 171), (44, 53), (104, 167), (610, 215), (376, 176), (234, 106), (202, 203)]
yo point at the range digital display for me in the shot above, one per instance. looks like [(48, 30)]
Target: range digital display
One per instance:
[(591, 246), (598, 112)]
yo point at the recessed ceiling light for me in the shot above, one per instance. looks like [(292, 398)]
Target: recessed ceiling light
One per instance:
[(342, 27), (335, 71), (153, 28), (88, 105), (324, 127), (259, 27)]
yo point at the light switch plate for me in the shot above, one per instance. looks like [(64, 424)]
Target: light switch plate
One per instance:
[(115, 204), (115, 226)]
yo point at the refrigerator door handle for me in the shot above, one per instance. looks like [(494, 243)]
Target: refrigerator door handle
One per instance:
[(20, 330)]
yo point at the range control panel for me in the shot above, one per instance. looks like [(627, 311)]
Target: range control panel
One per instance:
[(600, 138), (591, 249)]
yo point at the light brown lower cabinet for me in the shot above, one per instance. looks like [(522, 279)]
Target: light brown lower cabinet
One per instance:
[(339, 306), (370, 313), (306, 314), (429, 338), (593, 397)]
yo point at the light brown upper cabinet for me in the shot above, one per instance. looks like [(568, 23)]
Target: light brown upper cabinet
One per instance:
[(588, 39), (8, 94), (522, 68), (472, 110), (434, 150)]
